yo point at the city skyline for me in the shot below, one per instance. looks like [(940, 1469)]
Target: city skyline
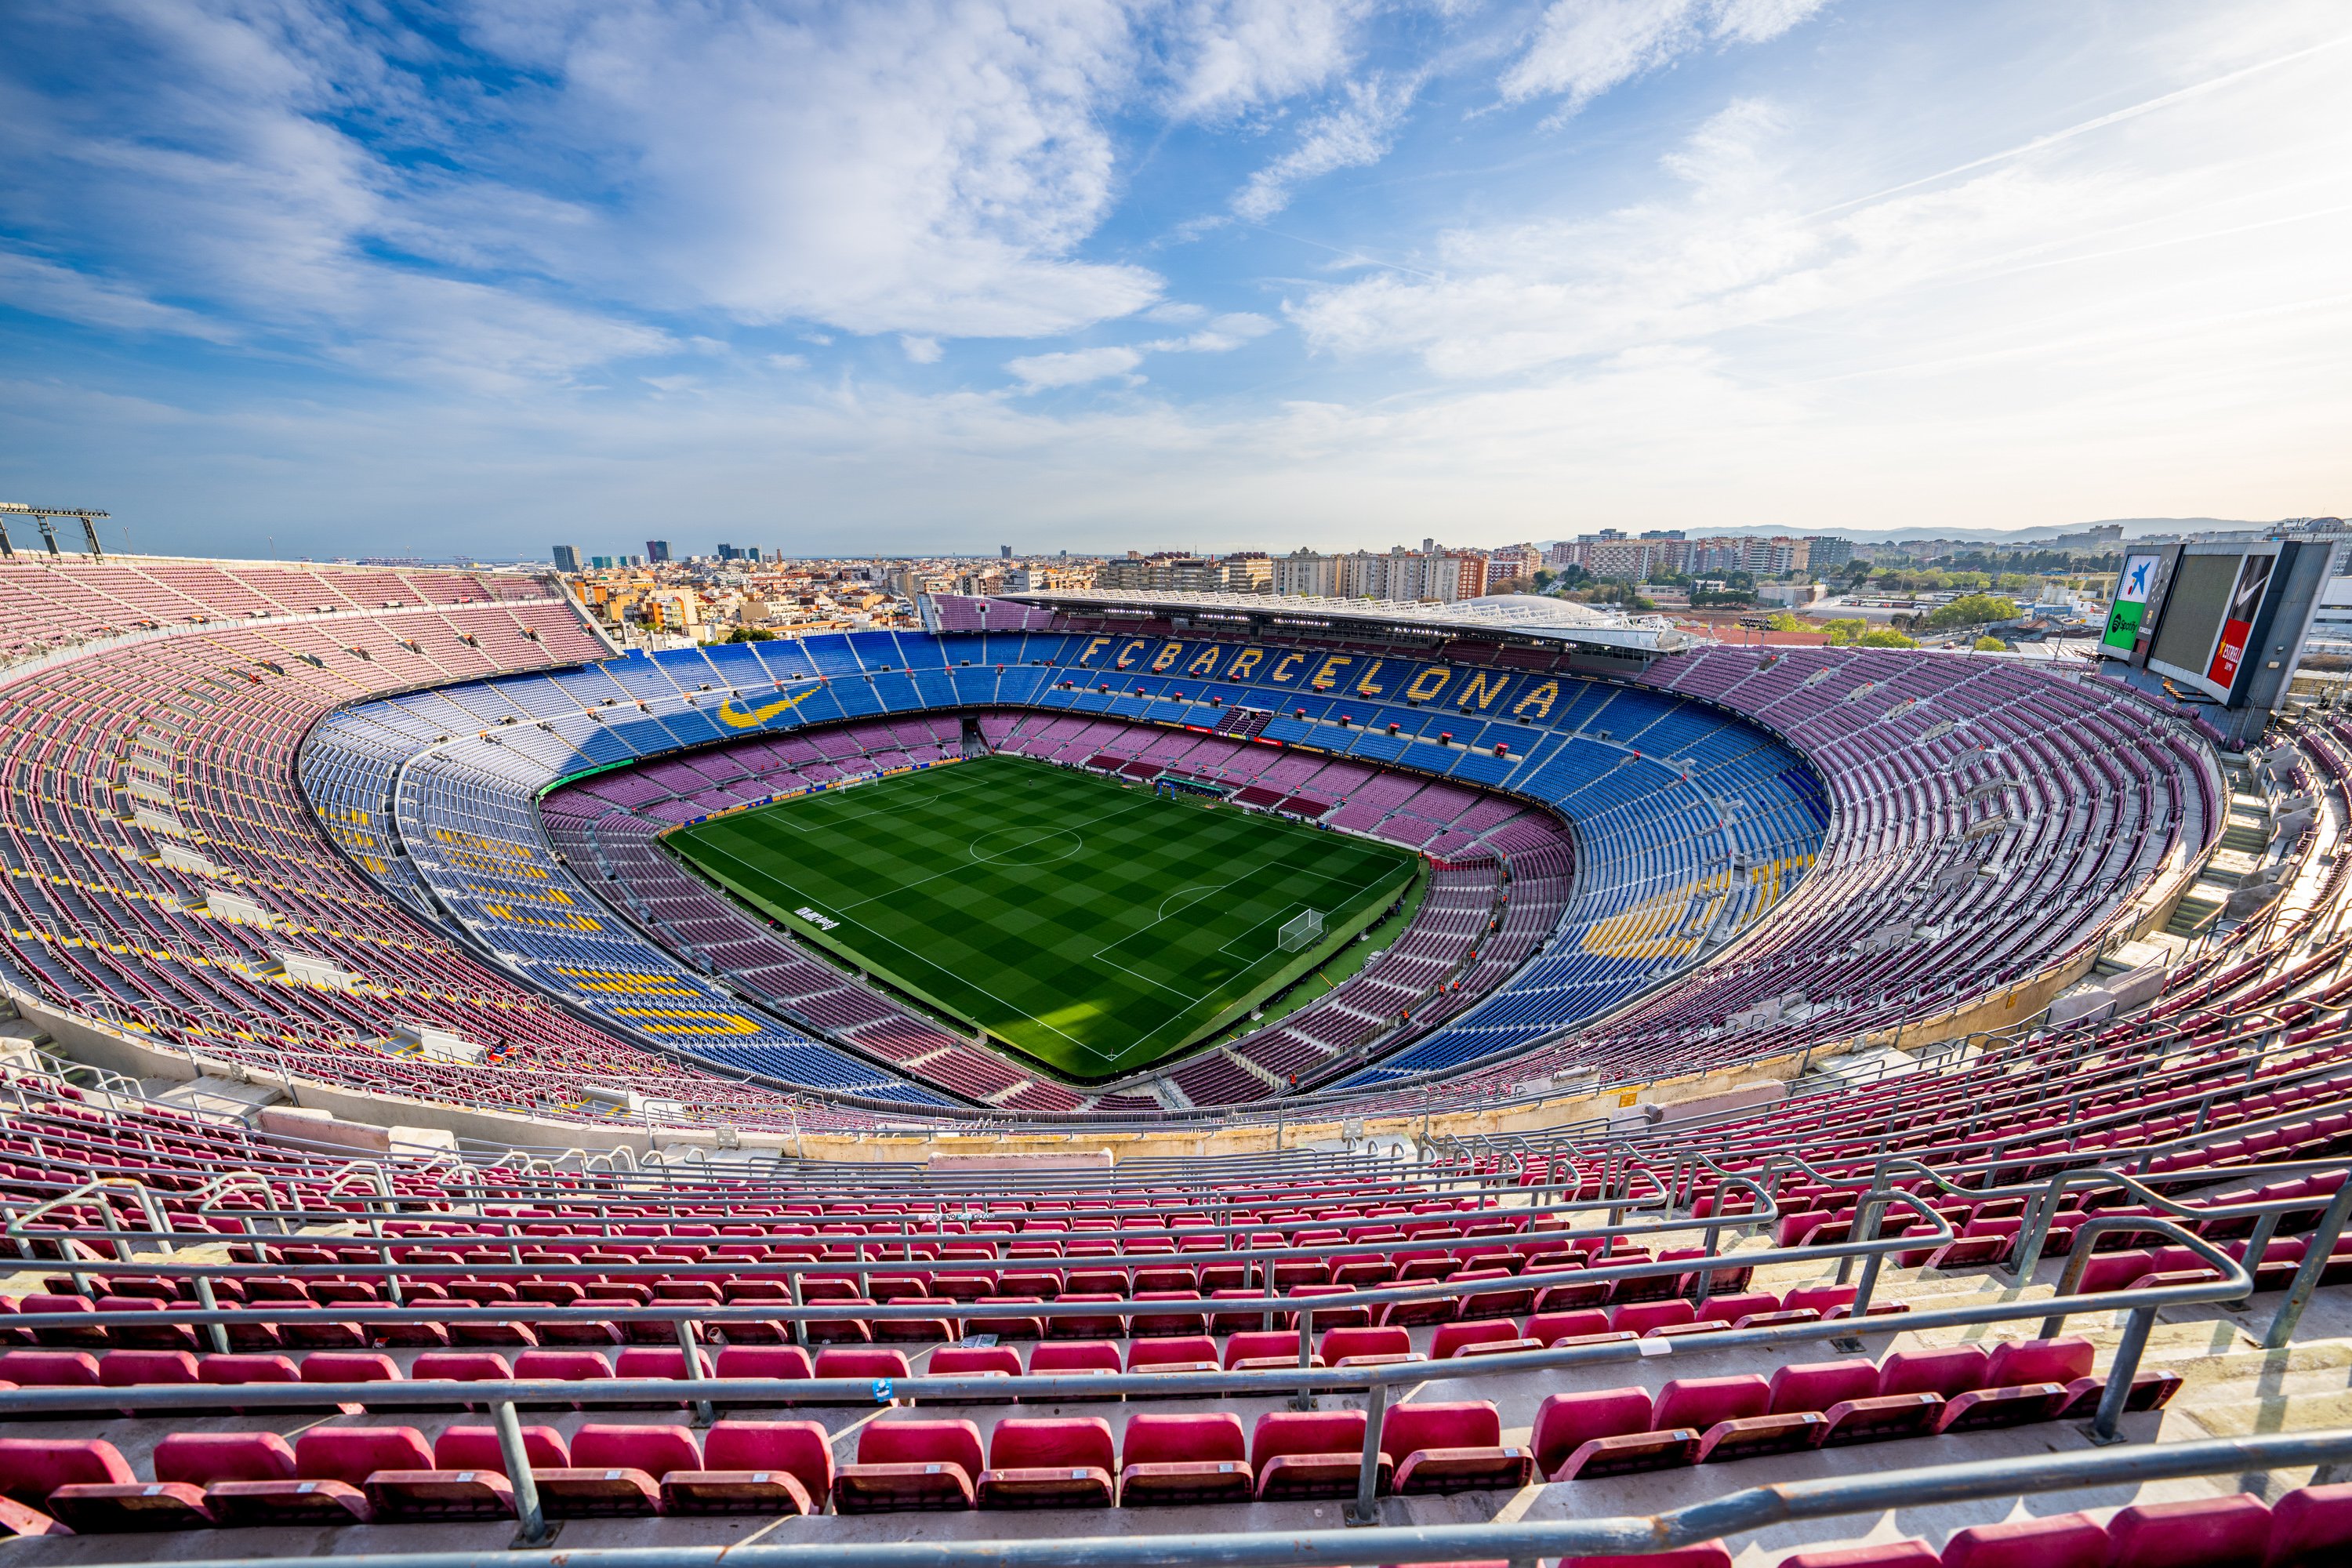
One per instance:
[(438, 280)]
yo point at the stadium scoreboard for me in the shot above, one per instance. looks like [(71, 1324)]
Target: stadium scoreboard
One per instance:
[(2220, 621)]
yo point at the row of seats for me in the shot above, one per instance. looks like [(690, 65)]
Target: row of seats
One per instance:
[(358, 1474), (1833, 1404), (2310, 1527)]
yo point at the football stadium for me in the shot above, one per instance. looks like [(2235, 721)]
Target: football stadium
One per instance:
[(1123, 1076)]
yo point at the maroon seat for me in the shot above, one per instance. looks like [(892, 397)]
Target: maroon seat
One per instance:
[(2150, 1390), (34, 1468), (1253, 1350), (1311, 1454), (331, 1465), (1731, 1307), (1048, 1462), (1817, 1385), (617, 1471), (1196, 1353), (2206, 1532), (1710, 1554), (1452, 1448), (1075, 1358), (756, 1467), (2062, 1541), (459, 1366), (1606, 1432), (870, 1366), (1185, 1459), (1493, 1335), (1641, 1317), (1367, 1347), (468, 1478), (186, 1463), (925, 1466), (2311, 1527), (50, 1368), (1891, 1554), (1949, 1373)]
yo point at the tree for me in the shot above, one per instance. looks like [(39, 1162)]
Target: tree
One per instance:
[(1845, 633), (1990, 645), (751, 634), (1972, 610), (1876, 638), (1782, 621)]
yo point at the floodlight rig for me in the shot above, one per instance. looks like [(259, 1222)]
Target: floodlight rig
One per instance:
[(43, 516)]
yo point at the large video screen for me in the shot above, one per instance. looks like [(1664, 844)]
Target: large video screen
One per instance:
[(2199, 597)]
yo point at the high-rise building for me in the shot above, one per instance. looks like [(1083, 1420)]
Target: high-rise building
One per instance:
[(1473, 580), (657, 550), (1004, 553), (1829, 553), (567, 558), (1304, 573), (1246, 572), (601, 562)]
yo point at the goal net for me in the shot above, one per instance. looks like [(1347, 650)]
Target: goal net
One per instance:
[(1304, 931)]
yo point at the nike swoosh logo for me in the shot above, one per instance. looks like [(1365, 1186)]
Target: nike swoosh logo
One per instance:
[(759, 716)]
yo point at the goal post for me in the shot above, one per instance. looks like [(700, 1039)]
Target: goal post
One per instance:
[(1302, 930)]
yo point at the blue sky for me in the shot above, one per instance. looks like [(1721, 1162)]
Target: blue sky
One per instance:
[(433, 276)]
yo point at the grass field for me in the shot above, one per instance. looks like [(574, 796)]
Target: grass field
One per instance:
[(1096, 928)]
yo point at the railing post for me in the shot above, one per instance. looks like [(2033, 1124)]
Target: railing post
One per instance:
[(2317, 1248), (530, 1524), (692, 1353), (1365, 1508), (2120, 1375), (1304, 1398), (217, 1333), (2259, 1243)]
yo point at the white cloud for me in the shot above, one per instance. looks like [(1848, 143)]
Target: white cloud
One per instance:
[(922, 351), (1225, 56), (46, 288), (1581, 48), (1226, 333), (1359, 132), (1074, 368)]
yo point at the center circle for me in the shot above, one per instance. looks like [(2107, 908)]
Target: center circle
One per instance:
[(1027, 846)]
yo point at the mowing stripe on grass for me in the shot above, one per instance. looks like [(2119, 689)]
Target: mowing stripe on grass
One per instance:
[(1094, 927)]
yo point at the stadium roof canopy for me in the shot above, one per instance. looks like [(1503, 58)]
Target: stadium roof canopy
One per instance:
[(1514, 617)]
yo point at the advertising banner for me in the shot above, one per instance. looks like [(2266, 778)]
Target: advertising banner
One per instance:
[(2238, 622), (2131, 602)]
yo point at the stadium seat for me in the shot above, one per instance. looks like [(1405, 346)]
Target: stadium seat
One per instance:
[(1172, 1460), (1048, 1462), (906, 1467)]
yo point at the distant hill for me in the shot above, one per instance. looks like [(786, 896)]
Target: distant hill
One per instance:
[(2134, 528)]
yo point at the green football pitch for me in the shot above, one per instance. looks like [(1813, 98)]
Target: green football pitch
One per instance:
[(1096, 927)]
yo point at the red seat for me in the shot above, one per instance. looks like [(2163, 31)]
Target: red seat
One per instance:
[(1701, 1401), (1075, 1358), (1710, 1554), (70, 1335), (331, 1465), (761, 1360), (1185, 1459), (459, 1366), (873, 1367), (2062, 1541), (349, 1366), (1949, 1373), (1892, 1555), (1311, 1454), (2206, 1532), (468, 1478), (2311, 1527), (1735, 1305), (1194, 1354), (1255, 1349), (1048, 1462), (757, 1467), (32, 1468), (1816, 1386), (2015, 1362), (1453, 1339), (50, 1368), (185, 1463), (1452, 1448), (1641, 1317), (617, 1471), (1366, 1347), (910, 1466), (1566, 1426)]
